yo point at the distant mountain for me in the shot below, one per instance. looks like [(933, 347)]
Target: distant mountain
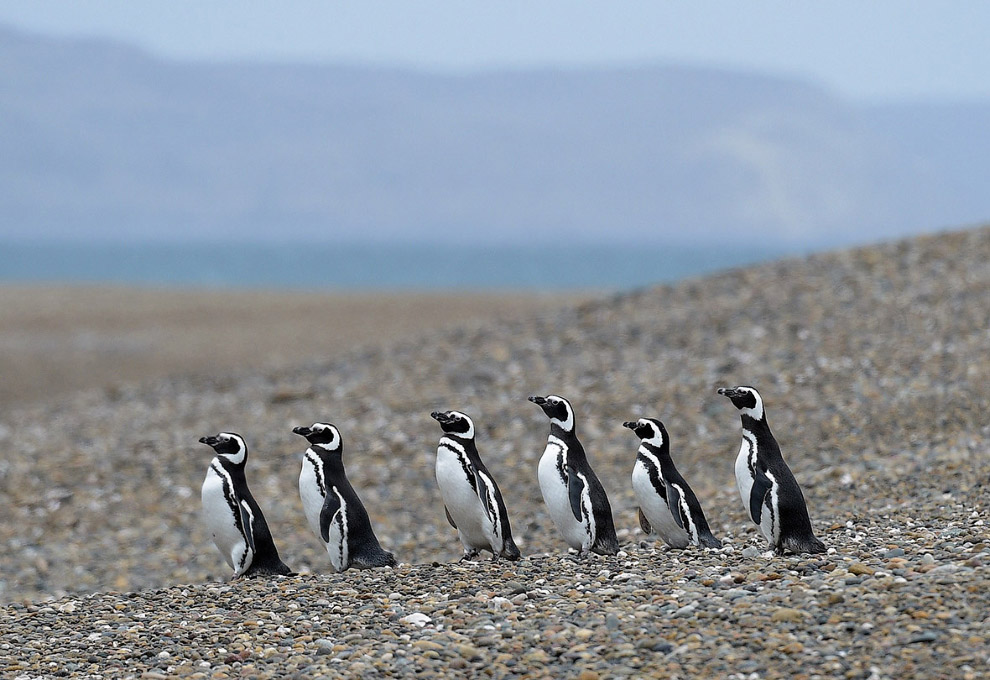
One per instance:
[(103, 140)]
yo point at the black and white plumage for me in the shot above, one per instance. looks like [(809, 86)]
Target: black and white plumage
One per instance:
[(575, 498), (766, 485), (471, 497), (667, 504), (232, 515), (333, 509)]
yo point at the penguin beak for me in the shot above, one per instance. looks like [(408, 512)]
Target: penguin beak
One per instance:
[(209, 441), (539, 401), (632, 425), (727, 391), (440, 416), (302, 431)]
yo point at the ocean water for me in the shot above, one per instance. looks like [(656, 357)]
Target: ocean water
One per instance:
[(353, 267)]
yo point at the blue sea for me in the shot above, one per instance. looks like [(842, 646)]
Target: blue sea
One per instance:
[(356, 267)]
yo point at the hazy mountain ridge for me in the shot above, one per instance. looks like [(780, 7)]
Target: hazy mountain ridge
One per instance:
[(103, 136)]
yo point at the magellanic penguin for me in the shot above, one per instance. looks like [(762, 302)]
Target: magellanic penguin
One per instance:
[(766, 485), (232, 515), (333, 509), (471, 498), (667, 505), (575, 499)]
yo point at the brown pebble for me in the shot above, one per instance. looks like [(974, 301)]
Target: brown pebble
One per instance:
[(788, 614)]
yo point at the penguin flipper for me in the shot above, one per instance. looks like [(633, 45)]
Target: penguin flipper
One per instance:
[(331, 506), (675, 505), (449, 518), (761, 487), (247, 522), (575, 488), (644, 523), (484, 493)]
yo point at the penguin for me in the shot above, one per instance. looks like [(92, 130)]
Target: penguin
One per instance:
[(667, 504), (232, 515), (766, 485), (333, 509), (471, 498), (575, 499)]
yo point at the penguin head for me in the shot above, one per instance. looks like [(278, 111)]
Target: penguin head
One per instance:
[(455, 422), (649, 430), (558, 410), (323, 435), (228, 445), (746, 399)]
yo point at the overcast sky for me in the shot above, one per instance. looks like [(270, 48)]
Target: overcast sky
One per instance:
[(874, 50)]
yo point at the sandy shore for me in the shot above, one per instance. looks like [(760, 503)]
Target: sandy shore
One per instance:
[(54, 340)]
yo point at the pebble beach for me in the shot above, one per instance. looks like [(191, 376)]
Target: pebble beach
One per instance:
[(874, 365)]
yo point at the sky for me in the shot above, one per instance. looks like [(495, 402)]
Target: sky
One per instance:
[(880, 50)]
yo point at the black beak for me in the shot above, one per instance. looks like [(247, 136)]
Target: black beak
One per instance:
[(302, 431), (539, 401), (209, 441), (727, 391), (440, 416), (630, 424)]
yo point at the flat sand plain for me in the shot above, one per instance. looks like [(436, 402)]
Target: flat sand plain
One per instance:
[(58, 339)]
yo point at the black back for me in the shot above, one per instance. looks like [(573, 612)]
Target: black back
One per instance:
[(459, 433), (266, 559), (511, 551), (796, 532), (362, 544), (606, 542), (671, 476)]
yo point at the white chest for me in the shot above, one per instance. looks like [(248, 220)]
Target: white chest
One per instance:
[(309, 490), (655, 508), (460, 498), (745, 460), (218, 516), (556, 496)]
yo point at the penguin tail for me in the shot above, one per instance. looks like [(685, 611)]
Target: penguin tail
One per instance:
[(809, 544), (278, 569), (606, 545), (709, 541), (282, 569), (373, 557), (510, 551)]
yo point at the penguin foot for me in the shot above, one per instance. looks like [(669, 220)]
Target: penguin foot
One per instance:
[(469, 556)]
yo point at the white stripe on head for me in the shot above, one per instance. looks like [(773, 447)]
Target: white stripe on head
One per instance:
[(756, 412), (239, 456), (334, 443), (657, 438), (469, 434), (567, 425)]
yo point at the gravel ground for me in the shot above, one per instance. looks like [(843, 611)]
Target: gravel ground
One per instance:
[(875, 368)]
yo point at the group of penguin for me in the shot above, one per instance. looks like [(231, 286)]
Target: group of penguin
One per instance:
[(575, 498)]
